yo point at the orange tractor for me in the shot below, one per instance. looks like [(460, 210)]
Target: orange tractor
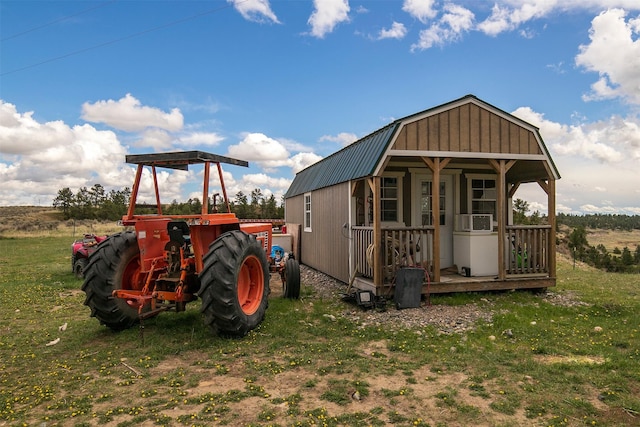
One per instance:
[(165, 261)]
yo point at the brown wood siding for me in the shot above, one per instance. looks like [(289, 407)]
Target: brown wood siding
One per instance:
[(326, 247), (467, 128)]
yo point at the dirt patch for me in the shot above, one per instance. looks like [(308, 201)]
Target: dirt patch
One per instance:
[(570, 360)]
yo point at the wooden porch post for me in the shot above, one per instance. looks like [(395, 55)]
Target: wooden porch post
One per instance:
[(551, 197), (435, 208), (436, 165), (501, 210), (550, 188), (378, 278)]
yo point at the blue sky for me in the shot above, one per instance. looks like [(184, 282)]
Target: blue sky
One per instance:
[(284, 83)]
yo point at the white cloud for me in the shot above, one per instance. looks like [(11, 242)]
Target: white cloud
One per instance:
[(504, 18), (292, 145), (397, 31), (614, 140), (265, 182), (498, 22), (448, 29), (261, 149), (343, 138), (614, 53), (158, 139), (327, 14), (593, 158), (270, 153), (422, 10), (38, 159), (557, 68), (21, 134), (303, 160), (255, 10), (209, 139), (129, 115)]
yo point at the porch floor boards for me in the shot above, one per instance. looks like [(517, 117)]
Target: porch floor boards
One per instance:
[(454, 282)]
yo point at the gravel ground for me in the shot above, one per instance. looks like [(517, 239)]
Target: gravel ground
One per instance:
[(447, 319)]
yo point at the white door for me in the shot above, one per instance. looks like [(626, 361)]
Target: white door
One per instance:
[(423, 212)]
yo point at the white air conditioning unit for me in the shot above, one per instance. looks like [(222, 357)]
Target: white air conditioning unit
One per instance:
[(475, 222)]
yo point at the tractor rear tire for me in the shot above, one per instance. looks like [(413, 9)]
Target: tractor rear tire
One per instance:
[(291, 280), (114, 265), (234, 284)]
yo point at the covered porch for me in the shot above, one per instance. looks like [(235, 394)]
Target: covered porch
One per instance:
[(399, 250), (506, 256)]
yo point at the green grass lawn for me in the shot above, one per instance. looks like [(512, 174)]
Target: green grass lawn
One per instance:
[(535, 363)]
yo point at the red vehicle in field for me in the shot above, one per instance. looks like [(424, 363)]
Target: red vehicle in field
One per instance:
[(80, 251), (164, 262)]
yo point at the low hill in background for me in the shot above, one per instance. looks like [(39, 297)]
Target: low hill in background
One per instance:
[(23, 221)]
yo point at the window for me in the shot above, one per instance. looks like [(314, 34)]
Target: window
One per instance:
[(483, 195), (307, 212), (426, 208), (391, 197)]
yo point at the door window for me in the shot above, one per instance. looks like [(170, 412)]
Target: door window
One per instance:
[(426, 207)]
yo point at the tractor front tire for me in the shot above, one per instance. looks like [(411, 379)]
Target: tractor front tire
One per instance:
[(114, 265), (234, 284), (291, 279)]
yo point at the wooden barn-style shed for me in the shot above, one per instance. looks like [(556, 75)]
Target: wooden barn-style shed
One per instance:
[(372, 208)]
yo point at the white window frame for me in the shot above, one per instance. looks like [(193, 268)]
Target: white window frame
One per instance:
[(470, 199), (307, 212), (399, 194)]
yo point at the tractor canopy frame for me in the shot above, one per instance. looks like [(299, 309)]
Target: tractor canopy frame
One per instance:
[(179, 160)]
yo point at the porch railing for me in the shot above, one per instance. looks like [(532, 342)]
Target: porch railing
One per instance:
[(527, 249), (401, 247)]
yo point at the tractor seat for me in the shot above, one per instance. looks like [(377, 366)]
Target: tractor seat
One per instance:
[(179, 232)]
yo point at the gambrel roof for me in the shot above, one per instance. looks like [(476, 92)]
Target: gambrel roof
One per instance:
[(466, 128)]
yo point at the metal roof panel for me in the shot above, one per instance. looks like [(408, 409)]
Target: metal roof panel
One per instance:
[(354, 161)]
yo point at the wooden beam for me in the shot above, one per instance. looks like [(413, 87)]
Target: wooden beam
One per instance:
[(378, 277), (435, 205), (513, 189), (427, 161), (431, 164), (551, 213), (501, 214), (489, 285), (543, 185), (498, 166)]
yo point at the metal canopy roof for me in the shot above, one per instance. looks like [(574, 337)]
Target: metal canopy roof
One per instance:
[(355, 161), (180, 159)]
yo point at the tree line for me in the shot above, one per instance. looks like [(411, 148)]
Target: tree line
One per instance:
[(601, 221), (96, 203), (623, 260)]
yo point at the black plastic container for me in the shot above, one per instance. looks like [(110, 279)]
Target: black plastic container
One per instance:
[(408, 287)]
